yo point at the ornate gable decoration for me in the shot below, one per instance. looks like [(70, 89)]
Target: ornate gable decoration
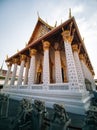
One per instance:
[(41, 29)]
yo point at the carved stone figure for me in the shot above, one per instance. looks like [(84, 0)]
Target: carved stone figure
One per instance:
[(91, 119), (24, 118), (60, 115), (4, 105), (40, 114), (94, 99)]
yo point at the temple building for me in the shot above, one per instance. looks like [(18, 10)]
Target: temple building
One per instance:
[(54, 67)]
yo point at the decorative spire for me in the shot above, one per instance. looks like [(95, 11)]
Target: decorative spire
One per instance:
[(38, 14), (17, 50), (6, 57), (1, 66), (26, 44), (83, 39), (70, 13), (55, 24), (61, 21), (46, 21)]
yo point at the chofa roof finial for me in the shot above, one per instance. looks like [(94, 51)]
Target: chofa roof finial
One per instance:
[(55, 24), (70, 13), (38, 14), (83, 39), (6, 56)]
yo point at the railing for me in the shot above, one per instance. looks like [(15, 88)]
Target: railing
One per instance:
[(13, 86), (59, 86), (23, 86), (37, 86)]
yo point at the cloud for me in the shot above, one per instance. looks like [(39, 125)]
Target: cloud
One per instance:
[(78, 9)]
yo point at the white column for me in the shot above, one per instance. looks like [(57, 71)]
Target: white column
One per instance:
[(14, 72), (9, 65), (20, 77), (71, 68), (87, 71), (92, 80), (46, 69), (58, 73), (80, 74), (26, 73), (31, 75), (82, 60)]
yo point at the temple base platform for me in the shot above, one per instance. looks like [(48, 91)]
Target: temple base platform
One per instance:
[(73, 101)]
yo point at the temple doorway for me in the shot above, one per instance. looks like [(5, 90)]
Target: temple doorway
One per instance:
[(38, 77)]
